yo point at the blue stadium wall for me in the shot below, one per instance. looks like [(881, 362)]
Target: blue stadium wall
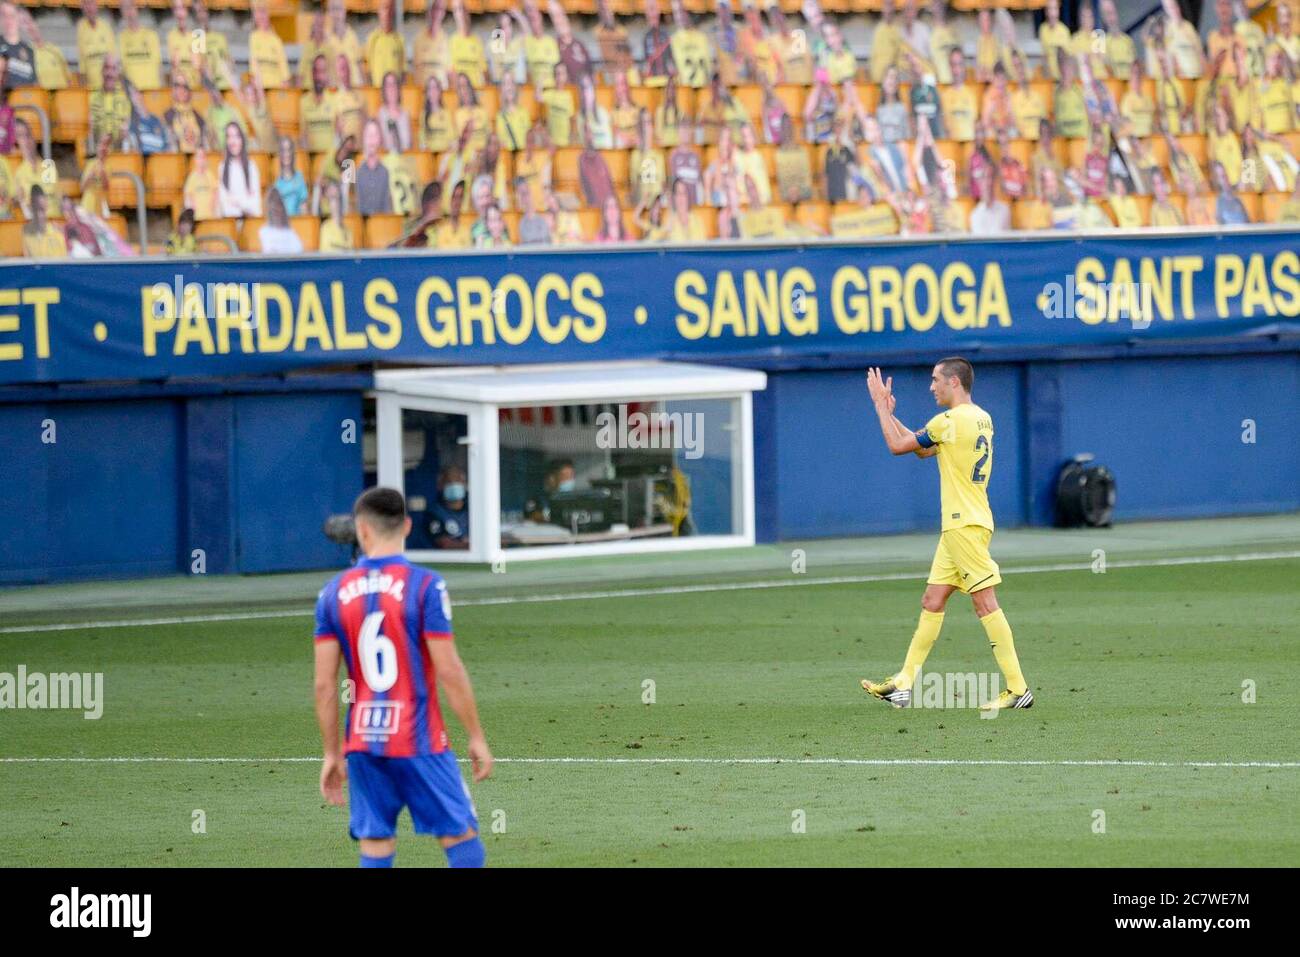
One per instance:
[(151, 484), (137, 478), (1170, 427), (227, 437)]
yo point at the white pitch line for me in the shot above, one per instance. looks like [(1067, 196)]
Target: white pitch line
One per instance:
[(792, 582), (850, 762)]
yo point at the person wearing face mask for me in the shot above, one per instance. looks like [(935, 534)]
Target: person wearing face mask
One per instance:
[(565, 478), (449, 522), (561, 477)]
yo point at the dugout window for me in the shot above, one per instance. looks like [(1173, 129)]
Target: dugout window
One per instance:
[(604, 472), (569, 459)]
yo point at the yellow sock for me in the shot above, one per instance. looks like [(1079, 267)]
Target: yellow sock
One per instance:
[(923, 639), (1004, 650)]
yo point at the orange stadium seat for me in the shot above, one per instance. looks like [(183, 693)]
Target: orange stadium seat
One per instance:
[(164, 174), (422, 165), (70, 115), (308, 230), (218, 227), (157, 102), (1271, 206), (164, 178), (283, 106), (816, 215), (381, 229), (1196, 147), (30, 96), (249, 240), (121, 192), (11, 238), (564, 167), (357, 227)]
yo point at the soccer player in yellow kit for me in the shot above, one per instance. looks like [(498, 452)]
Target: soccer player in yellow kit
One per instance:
[(962, 438)]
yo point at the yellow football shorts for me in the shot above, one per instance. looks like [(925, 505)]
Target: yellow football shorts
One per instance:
[(963, 560)]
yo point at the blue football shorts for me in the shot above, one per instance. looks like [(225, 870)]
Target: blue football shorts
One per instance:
[(431, 786)]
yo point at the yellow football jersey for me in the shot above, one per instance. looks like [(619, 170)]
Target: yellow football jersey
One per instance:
[(469, 57), (964, 436), (693, 58), (336, 237), (51, 68), (93, 45), (267, 49), (141, 57), (316, 119), (385, 53), (541, 54)]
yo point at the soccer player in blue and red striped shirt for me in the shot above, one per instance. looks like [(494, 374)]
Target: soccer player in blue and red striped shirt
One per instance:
[(389, 622)]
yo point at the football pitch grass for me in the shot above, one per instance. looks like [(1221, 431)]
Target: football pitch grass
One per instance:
[(759, 747)]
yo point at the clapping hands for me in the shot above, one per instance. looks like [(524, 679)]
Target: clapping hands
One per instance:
[(881, 390)]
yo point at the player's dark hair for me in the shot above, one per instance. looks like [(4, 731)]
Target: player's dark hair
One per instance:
[(959, 367), (383, 508)]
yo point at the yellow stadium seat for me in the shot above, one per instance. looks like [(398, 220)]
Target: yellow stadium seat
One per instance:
[(1019, 210), (164, 178), (283, 106), (382, 229), (357, 227), (11, 238), (1159, 148), (249, 240), (157, 102), (122, 192), (564, 167), (70, 115), (1078, 150), (1271, 206), (217, 227), (750, 96), (30, 96), (413, 102), (618, 162), (816, 215), (308, 230), (709, 216), (422, 165), (1195, 145), (264, 168)]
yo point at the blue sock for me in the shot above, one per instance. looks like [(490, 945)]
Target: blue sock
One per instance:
[(469, 853), (378, 861)]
